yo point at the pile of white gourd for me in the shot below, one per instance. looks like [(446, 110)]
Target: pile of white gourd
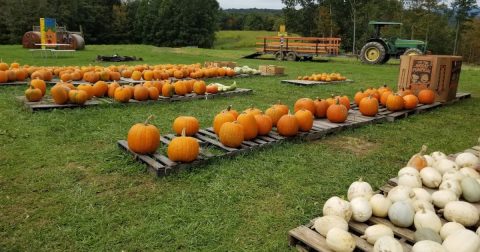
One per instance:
[(409, 203)]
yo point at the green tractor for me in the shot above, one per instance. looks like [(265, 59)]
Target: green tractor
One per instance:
[(379, 50)]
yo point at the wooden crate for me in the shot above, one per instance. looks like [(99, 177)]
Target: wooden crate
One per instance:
[(305, 238), (313, 83)]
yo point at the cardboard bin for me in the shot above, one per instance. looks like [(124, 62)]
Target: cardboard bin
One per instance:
[(275, 69), (263, 68), (439, 73)]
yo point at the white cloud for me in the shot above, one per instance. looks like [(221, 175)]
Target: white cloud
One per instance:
[(245, 4)]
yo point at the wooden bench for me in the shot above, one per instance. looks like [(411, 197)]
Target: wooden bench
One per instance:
[(55, 52)]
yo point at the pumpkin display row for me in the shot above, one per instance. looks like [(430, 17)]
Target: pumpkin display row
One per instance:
[(410, 204), (92, 74), (323, 77)]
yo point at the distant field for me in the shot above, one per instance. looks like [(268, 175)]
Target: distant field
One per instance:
[(239, 39)]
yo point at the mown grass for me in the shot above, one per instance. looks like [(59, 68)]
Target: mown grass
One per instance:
[(66, 186)]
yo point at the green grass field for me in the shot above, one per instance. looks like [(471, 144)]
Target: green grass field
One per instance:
[(66, 186)]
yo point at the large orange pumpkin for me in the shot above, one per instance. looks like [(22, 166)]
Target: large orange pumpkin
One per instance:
[(395, 102), (33, 94), (59, 94), (199, 87), (40, 84), (77, 97), (249, 124), (111, 89), (305, 120), (282, 107), (275, 114), (264, 124), (231, 111), (183, 148), (220, 119), (288, 125), (189, 124), (359, 96), (88, 89), (100, 88), (304, 103), (231, 134), (337, 112), (369, 106), (123, 94), (426, 96), (321, 107), (143, 138), (410, 101)]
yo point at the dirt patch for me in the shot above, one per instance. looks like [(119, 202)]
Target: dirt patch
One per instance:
[(352, 145)]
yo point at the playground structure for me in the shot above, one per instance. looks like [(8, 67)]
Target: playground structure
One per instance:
[(294, 48), (31, 39)]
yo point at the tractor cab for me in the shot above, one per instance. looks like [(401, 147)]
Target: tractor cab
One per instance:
[(378, 49)]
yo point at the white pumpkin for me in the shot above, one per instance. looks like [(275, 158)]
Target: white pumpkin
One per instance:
[(430, 177), (430, 160), (338, 207), (451, 185), (445, 165), (470, 172), (387, 243), (467, 160), (408, 169), (449, 228), (380, 205), (373, 233), (422, 194), (462, 240), (401, 214), (360, 188), (428, 246), (470, 189), (437, 155), (417, 204), (442, 197), (340, 240), (408, 179), (461, 212), (478, 231), (325, 223), (454, 175), (401, 193), (361, 209), (427, 218)]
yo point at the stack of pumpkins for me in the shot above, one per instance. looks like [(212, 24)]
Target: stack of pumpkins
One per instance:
[(145, 138), (323, 77), (15, 72), (368, 101), (233, 128), (411, 203)]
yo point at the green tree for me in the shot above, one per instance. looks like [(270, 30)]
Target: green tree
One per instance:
[(463, 13), (254, 22)]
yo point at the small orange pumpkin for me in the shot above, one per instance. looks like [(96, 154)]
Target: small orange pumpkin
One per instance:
[(426, 96), (140, 93), (383, 98), (231, 134), (264, 124), (304, 103), (410, 101), (100, 88), (253, 111), (337, 112), (220, 119), (143, 138), (369, 106), (40, 84), (229, 110), (180, 88), (123, 94), (395, 102), (111, 89), (168, 90), (199, 87), (183, 148), (77, 97), (59, 94), (288, 125), (188, 124), (375, 92), (275, 114), (282, 107), (359, 96), (88, 89), (321, 107), (344, 100), (33, 94), (250, 127), (305, 120), (153, 93)]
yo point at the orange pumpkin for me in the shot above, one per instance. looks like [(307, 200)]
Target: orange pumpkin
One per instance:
[(33, 94), (21, 74), (140, 93), (180, 88), (189, 85), (111, 89), (178, 74), (115, 76), (332, 100), (426, 96), (282, 107), (321, 107), (220, 119), (183, 148), (382, 89), (199, 87), (410, 101), (143, 138), (264, 124), (305, 120), (230, 73), (368, 106), (250, 127), (40, 84), (153, 93), (104, 76), (395, 102), (100, 88), (212, 89), (359, 96), (77, 97), (229, 110), (59, 94), (375, 92), (344, 100), (383, 98), (168, 90), (136, 75), (188, 124), (304, 103), (88, 89), (127, 74), (231, 134), (288, 125), (337, 112), (253, 111), (275, 114), (158, 85), (37, 74), (123, 94), (147, 75), (11, 75)]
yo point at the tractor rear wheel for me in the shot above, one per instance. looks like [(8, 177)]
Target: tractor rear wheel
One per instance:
[(413, 52), (291, 56), (387, 58), (279, 56), (373, 53)]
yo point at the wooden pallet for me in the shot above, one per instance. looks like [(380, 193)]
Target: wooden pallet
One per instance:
[(305, 238), (48, 103), (313, 83), (173, 79)]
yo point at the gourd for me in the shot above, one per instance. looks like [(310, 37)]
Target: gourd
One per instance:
[(449, 228), (401, 193), (430, 160), (422, 194), (410, 170), (380, 205), (454, 175), (427, 218), (470, 172), (426, 233), (418, 161), (373, 233), (430, 177), (437, 155), (428, 246), (360, 188), (338, 207), (410, 180), (361, 209), (442, 197), (387, 243), (461, 212), (451, 185), (462, 240), (324, 224), (340, 240), (467, 159), (401, 214), (445, 165), (417, 204), (470, 189)]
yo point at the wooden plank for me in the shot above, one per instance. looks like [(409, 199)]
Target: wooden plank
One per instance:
[(164, 160), (311, 238), (164, 140), (153, 166)]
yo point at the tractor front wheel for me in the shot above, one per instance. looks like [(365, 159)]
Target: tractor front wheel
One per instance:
[(413, 52), (373, 53)]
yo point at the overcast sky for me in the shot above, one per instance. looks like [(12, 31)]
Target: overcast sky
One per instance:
[(245, 4)]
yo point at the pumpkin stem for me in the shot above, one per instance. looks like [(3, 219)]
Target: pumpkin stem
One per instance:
[(363, 237), (333, 96), (370, 97), (148, 119), (31, 86), (361, 90), (252, 106), (183, 132), (279, 103), (318, 99), (338, 101), (424, 149), (360, 180), (385, 194), (422, 208), (229, 107), (441, 212)]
